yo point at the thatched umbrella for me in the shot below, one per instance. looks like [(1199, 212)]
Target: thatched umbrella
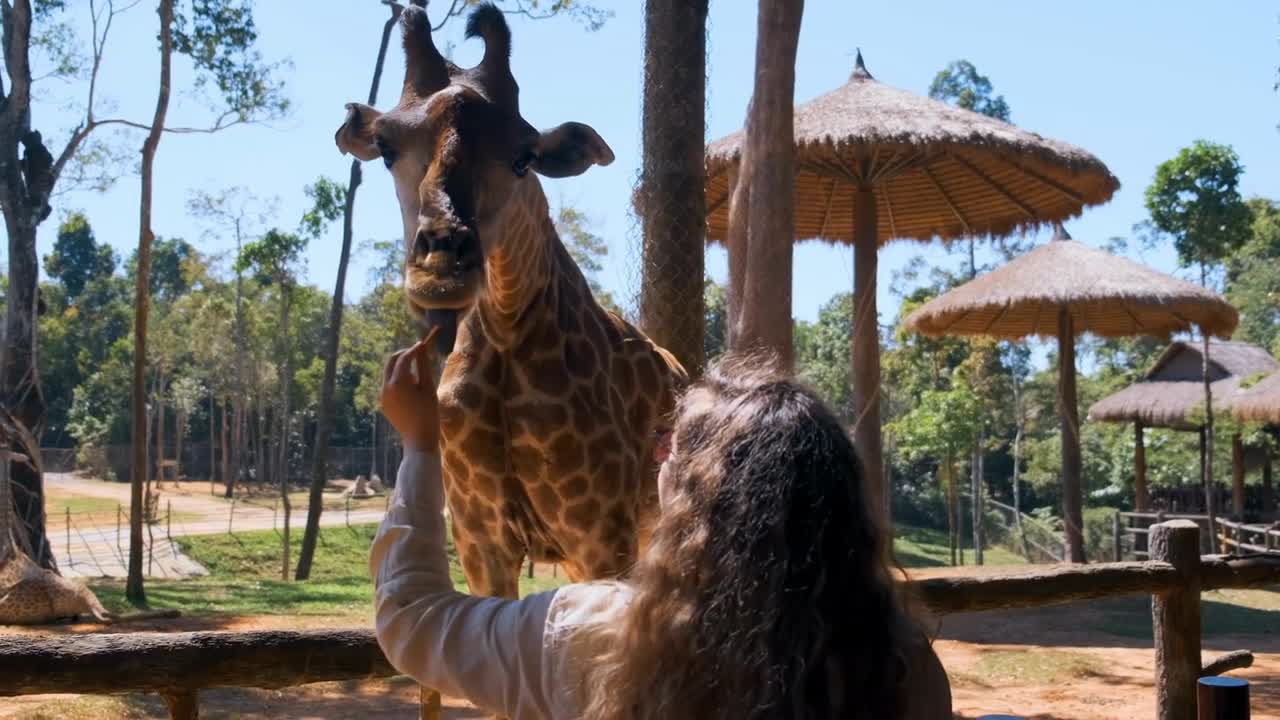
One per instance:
[(1171, 395), (1063, 289), (875, 163)]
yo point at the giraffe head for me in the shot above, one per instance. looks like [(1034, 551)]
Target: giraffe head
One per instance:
[(460, 155)]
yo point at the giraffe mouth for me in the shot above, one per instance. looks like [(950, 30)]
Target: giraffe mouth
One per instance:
[(447, 321)]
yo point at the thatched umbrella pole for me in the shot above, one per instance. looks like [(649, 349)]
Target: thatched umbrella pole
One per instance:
[(864, 348), (1141, 498), (1069, 410)]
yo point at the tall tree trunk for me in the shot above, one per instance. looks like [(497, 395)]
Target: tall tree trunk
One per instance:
[(133, 587), (1017, 467), (765, 313), (25, 183), (159, 395), (213, 448), (977, 501), (672, 177), (1141, 495), (324, 417), (953, 512), (1072, 467), (228, 477), (286, 380)]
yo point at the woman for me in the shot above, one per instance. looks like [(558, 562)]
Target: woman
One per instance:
[(765, 591)]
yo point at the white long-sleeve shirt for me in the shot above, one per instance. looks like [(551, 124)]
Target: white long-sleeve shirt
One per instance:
[(505, 656)]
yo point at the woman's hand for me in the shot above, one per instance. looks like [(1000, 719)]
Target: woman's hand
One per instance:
[(409, 403)]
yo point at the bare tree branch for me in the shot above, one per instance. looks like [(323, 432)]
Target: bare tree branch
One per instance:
[(17, 43)]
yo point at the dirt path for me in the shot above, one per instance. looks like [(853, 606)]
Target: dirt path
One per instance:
[(95, 545)]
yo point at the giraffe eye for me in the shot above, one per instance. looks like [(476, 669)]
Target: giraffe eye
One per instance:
[(388, 154), (521, 165)]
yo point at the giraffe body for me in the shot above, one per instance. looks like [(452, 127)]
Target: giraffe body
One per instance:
[(548, 446)]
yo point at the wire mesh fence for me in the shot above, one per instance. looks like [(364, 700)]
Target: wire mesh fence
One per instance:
[(668, 227)]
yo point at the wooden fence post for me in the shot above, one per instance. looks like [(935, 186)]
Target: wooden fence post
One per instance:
[(1175, 619)]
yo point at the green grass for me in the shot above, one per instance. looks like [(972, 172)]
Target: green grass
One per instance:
[(57, 506), (924, 547), (1035, 667), (244, 577)]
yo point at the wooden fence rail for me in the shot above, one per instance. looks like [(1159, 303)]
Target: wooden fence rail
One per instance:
[(178, 665)]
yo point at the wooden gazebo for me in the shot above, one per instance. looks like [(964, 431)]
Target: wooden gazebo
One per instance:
[(1171, 395)]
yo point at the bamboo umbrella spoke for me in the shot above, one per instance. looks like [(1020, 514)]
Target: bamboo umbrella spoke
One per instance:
[(1054, 185), (888, 207), (997, 187), (933, 179)]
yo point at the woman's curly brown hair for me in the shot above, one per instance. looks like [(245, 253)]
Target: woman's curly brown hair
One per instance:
[(766, 590)]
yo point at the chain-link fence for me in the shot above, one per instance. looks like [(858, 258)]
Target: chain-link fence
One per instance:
[(668, 228)]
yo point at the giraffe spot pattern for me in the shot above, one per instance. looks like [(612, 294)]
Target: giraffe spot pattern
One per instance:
[(583, 515), (575, 486), (567, 452)]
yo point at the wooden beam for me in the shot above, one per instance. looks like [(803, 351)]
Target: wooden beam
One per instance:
[(174, 664), (1052, 586), (106, 664), (1004, 192)]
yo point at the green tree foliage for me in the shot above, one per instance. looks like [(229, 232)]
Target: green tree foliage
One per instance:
[(822, 353), (1253, 283), (77, 258), (1195, 199), (173, 264), (219, 37), (587, 249), (715, 335), (960, 84)]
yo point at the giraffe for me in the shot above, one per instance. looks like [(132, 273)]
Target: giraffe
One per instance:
[(550, 405)]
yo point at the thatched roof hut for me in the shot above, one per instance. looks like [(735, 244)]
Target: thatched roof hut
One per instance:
[(1171, 393), (875, 163), (1259, 402)]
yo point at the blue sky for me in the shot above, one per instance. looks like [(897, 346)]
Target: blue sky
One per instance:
[(1131, 82)]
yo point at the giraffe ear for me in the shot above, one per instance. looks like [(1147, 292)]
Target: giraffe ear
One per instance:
[(356, 134), (569, 150)]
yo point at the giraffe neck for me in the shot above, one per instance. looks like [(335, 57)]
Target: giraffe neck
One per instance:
[(519, 268)]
